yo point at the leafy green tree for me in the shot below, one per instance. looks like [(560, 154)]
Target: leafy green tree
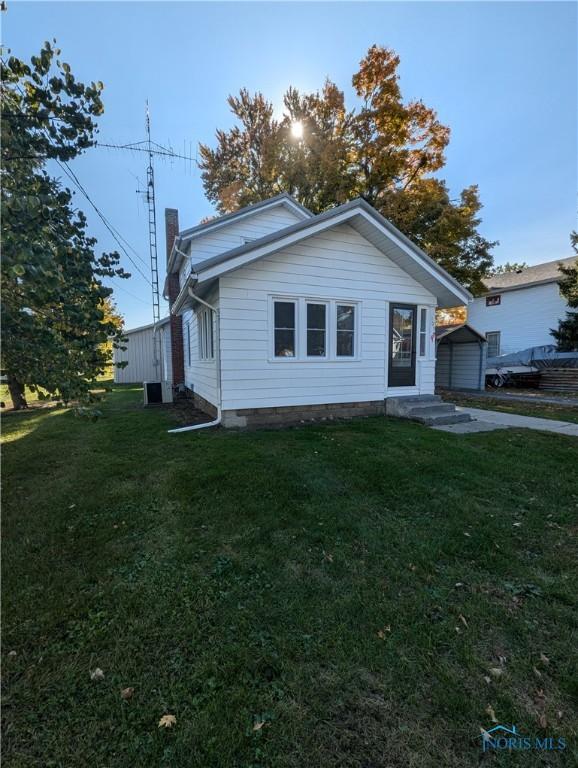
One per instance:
[(54, 325), (513, 266), (566, 334), (386, 151)]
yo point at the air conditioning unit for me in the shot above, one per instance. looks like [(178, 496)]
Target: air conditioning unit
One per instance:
[(157, 392)]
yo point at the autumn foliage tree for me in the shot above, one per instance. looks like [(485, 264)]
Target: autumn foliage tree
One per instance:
[(385, 150), (55, 325)]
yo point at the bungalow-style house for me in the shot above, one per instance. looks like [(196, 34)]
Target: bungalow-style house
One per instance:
[(520, 308), (278, 315)]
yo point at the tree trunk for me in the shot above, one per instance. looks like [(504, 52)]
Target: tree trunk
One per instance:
[(16, 389)]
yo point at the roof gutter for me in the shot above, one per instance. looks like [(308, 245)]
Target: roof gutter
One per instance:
[(217, 421)]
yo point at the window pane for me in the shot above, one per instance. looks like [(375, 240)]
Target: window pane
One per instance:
[(284, 314), (316, 343), (401, 340), (284, 343), (493, 340), (345, 343), (211, 339), (316, 333), (345, 318), (316, 317), (422, 332)]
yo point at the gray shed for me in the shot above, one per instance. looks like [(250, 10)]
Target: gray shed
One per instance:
[(139, 354), (461, 357)]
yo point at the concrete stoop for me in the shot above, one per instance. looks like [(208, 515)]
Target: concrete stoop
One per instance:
[(426, 409)]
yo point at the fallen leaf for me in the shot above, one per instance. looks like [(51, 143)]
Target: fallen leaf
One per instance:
[(167, 721), (487, 679), (559, 714), (258, 725), (542, 722), (544, 659), (381, 633), (496, 671), (12, 653), (328, 557), (537, 672), (491, 713), (463, 620), (126, 693), (97, 674)]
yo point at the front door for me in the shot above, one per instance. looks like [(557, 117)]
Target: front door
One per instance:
[(402, 318)]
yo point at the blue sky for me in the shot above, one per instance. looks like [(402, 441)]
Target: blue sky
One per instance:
[(503, 76)]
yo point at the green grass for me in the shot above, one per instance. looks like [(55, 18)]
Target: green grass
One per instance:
[(542, 410), (349, 585)]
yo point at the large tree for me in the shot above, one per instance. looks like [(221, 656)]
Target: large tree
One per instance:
[(54, 322), (566, 334), (385, 150)]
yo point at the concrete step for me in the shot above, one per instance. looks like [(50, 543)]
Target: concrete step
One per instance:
[(444, 418), (426, 409), (430, 409), (399, 406)]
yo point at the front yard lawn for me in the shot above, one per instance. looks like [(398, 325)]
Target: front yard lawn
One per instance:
[(362, 594)]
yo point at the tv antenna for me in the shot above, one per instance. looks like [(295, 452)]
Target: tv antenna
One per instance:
[(152, 149)]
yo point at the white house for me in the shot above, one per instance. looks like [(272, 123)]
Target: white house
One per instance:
[(520, 308), (286, 315)]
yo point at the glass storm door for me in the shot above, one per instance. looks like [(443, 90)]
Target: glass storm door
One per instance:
[(402, 320)]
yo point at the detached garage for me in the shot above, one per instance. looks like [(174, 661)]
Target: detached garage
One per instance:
[(461, 357)]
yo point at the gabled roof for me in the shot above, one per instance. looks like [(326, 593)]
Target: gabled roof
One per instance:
[(461, 333), (539, 274), (365, 220), (249, 210)]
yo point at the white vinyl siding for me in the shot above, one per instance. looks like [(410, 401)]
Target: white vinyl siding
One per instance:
[(201, 374), (524, 316), (338, 266), (236, 234)]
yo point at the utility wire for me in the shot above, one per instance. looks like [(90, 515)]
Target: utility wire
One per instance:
[(71, 175)]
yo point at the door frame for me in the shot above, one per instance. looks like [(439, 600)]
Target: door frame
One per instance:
[(413, 368)]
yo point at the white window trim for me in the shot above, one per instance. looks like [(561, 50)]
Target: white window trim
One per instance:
[(425, 331), (499, 335), (301, 330), (205, 328)]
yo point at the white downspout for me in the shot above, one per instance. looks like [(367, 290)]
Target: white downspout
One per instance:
[(216, 421)]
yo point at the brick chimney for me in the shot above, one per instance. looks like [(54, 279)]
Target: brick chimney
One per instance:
[(176, 322)]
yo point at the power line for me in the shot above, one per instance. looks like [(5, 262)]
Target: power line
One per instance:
[(71, 175)]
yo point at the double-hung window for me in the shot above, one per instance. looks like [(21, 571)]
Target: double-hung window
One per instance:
[(493, 339), (285, 336), (205, 332), (314, 329)]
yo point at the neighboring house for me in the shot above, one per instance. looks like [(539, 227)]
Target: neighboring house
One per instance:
[(279, 315), (139, 354), (520, 308)]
